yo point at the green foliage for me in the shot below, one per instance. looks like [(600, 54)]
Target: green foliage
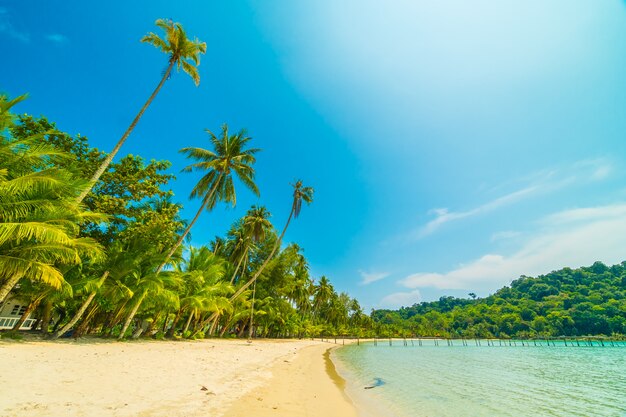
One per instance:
[(11, 334), (584, 301)]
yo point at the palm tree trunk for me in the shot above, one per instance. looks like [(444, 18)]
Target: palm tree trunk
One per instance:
[(172, 330), (260, 270), (130, 317), (188, 322), (152, 324), (8, 286), (109, 158), (252, 312), (31, 306), (232, 279), (45, 317), (267, 260), (81, 310), (188, 229)]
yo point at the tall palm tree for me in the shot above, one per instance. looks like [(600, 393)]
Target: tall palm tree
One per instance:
[(300, 194), (229, 156), (250, 230), (323, 294), (183, 53)]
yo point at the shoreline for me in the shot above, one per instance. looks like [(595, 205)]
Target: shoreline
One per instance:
[(307, 385), (217, 377)]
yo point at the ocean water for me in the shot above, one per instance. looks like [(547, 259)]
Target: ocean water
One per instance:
[(458, 380)]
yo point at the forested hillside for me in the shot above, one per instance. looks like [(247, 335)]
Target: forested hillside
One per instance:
[(568, 302)]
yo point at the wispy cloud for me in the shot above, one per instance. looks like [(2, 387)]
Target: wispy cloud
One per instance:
[(369, 277), (7, 28), (400, 299), (545, 181), (568, 238), (57, 38), (443, 215)]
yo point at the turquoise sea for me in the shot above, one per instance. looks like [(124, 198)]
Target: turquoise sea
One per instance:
[(469, 380)]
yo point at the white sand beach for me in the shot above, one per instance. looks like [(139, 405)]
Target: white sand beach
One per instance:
[(168, 378)]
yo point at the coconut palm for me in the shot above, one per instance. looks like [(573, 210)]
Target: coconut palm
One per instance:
[(323, 294), (39, 221), (200, 276), (148, 283), (229, 156), (183, 53), (300, 194)]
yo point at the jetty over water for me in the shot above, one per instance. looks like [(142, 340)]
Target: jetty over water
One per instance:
[(478, 342)]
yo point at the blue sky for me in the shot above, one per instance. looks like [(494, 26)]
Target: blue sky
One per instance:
[(453, 145)]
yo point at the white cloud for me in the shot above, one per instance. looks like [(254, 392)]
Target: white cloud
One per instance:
[(401, 299), (369, 277), (7, 28), (546, 181), (443, 216), (57, 38), (571, 238)]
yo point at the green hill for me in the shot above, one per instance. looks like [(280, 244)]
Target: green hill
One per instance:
[(569, 302)]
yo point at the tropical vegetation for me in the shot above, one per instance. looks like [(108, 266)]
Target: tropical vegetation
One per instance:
[(92, 243), (116, 264), (569, 302)]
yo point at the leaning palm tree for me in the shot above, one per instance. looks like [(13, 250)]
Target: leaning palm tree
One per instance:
[(229, 156), (183, 53), (300, 194), (250, 230)]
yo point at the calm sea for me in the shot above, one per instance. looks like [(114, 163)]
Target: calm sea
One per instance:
[(457, 381)]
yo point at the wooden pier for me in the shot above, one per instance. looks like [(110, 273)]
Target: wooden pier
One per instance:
[(565, 342)]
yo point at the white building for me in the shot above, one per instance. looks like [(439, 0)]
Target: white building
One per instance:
[(11, 311)]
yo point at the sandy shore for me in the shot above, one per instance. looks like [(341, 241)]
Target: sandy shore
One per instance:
[(197, 378), (305, 385)]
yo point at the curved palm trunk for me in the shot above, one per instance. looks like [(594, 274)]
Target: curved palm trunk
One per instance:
[(107, 161), (81, 310), (31, 306), (267, 261), (188, 322), (188, 229), (46, 316), (172, 330), (232, 279), (252, 313), (260, 270), (131, 316), (8, 286)]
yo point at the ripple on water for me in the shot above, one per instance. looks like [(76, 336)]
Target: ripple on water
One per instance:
[(442, 381)]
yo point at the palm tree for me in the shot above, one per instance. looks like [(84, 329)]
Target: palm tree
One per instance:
[(147, 283), (300, 194), (183, 53), (229, 155), (39, 221), (323, 294), (201, 281)]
